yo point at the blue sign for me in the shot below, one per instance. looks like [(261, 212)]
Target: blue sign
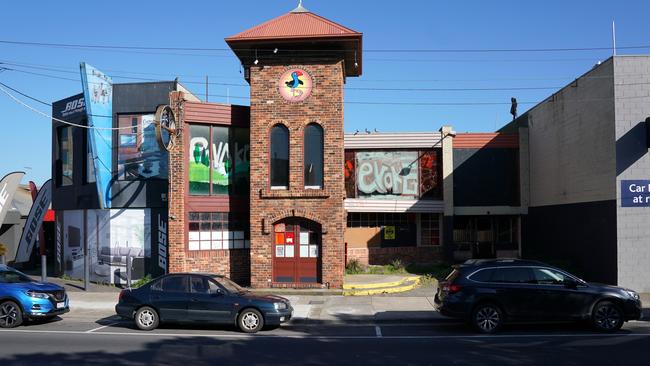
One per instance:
[(98, 96), (635, 193)]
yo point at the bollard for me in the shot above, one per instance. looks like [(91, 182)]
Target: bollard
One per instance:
[(43, 268), (2, 259)]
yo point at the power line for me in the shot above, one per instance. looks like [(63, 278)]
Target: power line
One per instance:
[(25, 95), (439, 50), (347, 88), (59, 120)]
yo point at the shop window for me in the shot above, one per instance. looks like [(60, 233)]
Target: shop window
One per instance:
[(218, 230), (138, 155), (313, 159), (219, 160), (429, 229), (396, 229), (279, 157), (64, 168)]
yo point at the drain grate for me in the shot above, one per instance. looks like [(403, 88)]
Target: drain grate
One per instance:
[(316, 302)]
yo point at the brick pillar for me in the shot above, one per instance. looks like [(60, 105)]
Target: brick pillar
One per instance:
[(177, 174), (325, 107)]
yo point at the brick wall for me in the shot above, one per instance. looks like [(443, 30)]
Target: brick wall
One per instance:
[(325, 107), (234, 263), (407, 255)]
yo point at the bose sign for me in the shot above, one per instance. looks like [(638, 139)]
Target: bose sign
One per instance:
[(34, 222)]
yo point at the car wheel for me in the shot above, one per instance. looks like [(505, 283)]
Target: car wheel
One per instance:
[(487, 318), (10, 315), (607, 316), (146, 318), (250, 321)]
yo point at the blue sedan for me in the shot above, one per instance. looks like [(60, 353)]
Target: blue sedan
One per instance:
[(23, 298), (201, 298)]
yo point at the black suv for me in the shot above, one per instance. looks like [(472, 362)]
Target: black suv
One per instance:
[(488, 293)]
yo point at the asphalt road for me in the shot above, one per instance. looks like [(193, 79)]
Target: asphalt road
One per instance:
[(111, 341)]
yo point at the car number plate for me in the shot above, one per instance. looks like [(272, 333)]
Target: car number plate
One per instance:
[(60, 305)]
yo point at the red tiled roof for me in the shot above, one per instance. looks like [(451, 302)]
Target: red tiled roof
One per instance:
[(486, 140), (294, 25)]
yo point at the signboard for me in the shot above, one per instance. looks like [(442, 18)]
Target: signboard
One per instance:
[(295, 85), (165, 127), (98, 100), (635, 193), (8, 186), (34, 222)]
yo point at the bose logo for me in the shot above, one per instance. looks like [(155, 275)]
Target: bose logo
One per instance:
[(74, 105)]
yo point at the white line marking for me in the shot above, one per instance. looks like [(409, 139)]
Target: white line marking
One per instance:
[(378, 331), (102, 327), (259, 336)]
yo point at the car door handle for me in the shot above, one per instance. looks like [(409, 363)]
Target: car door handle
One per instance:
[(194, 299)]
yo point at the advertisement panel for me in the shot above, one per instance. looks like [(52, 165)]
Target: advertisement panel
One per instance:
[(98, 98), (8, 186), (112, 239), (34, 222)]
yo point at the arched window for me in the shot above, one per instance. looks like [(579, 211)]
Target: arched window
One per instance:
[(313, 159), (279, 157)]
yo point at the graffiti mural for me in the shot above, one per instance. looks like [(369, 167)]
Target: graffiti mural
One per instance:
[(430, 186), (350, 184), (387, 174)]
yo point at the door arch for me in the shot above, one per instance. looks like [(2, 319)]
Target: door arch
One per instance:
[(297, 244)]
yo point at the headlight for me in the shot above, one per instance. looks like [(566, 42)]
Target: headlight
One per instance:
[(37, 295), (632, 294), (279, 305)]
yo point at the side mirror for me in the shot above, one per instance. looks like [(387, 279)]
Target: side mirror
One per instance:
[(570, 283)]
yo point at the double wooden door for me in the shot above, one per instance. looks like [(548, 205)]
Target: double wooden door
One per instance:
[(296, 251)]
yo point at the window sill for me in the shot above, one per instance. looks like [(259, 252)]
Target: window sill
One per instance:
[(297, 193)]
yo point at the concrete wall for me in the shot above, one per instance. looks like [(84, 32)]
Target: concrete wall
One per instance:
[(571, 137), (572, 174), (632, 96)]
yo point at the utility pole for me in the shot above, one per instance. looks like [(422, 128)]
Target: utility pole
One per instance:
[(614, 37), (206, 88)]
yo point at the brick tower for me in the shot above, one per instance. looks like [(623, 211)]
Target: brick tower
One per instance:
[(296, 65)]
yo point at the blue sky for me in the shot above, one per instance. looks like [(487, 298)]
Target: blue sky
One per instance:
[(413, 24)]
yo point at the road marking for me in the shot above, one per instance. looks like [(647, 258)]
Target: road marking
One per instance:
[(301, 336), (378, 331), (102, 327)]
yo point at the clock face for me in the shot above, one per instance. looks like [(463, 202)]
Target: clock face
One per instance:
[(295, 85), (165, 127)]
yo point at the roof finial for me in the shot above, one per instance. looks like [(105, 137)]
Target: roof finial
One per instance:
[(300, 8)]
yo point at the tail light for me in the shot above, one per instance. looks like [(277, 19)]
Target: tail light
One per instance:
[(121, 295), (451, 289)]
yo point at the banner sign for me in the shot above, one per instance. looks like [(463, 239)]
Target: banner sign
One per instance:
[(34, 222), (98, 100), (635, 193), (8, 186)]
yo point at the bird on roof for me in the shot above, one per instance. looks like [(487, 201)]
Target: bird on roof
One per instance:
[(295, 81)]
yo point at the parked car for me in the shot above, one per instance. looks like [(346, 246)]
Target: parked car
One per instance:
[(23, 298), (201, 298), (488, 293)]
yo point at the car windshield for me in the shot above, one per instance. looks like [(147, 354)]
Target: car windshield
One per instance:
[(229, 284), (14, 277)]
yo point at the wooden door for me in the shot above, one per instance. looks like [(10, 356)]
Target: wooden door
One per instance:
[(296, 251)]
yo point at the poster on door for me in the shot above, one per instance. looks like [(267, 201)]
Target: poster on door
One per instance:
[(290, 238)]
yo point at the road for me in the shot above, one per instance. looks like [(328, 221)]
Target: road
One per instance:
[(76, 340)]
